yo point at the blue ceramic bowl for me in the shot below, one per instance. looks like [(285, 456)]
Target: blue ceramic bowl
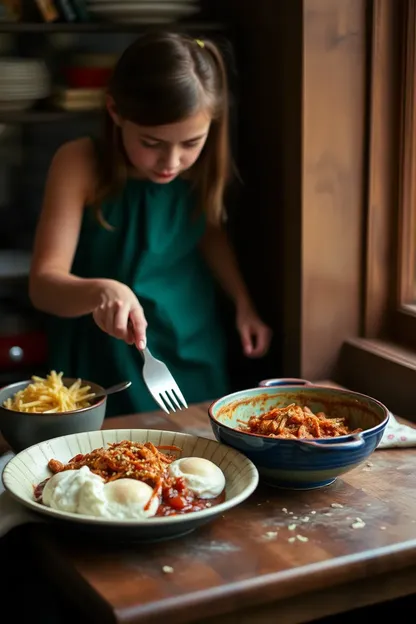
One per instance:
[(300, 464)]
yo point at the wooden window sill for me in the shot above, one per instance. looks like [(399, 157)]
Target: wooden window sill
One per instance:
[(381, 369)]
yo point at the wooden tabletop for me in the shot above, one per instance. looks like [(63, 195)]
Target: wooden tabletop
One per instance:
[(245, 566)]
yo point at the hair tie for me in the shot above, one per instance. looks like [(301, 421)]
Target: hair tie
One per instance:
[(200, 43)]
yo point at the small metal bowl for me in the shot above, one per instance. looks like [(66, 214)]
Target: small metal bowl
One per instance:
[(22, 429)]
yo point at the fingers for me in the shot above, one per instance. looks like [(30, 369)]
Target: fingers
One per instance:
[(261, 343), (247, 340), (108, 317), (113, 318), (139, 325), (255, 340), (120, 314), (120, 321), (98, 318), (130, 337)]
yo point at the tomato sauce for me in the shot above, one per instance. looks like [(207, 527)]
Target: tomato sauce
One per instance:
[(38, 489), (177, 499)]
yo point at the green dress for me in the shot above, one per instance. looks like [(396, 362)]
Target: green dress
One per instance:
[(153, 249)]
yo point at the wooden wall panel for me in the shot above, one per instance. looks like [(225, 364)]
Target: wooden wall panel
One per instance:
[(334, 144), (303, 144)]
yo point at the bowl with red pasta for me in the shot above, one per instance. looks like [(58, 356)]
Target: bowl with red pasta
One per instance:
[(300, 436), (137, 484)]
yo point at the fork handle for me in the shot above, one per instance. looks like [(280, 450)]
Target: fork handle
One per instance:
[(144, 352)]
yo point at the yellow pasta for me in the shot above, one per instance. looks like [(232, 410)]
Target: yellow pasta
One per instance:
[(50, 396)]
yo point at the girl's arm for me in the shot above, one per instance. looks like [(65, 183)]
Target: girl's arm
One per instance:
[(52, 287), (69, 184), (220, 257)]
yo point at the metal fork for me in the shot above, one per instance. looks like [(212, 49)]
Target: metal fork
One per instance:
[(161, 384)]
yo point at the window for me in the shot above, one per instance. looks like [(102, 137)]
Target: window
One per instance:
[(407, 178)]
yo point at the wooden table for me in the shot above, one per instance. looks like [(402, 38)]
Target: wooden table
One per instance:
[(244, 567)]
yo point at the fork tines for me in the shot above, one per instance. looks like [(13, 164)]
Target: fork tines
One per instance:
[(161, 384), (172, 400)]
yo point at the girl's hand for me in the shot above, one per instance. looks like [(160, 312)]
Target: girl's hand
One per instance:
[(255, 335), (120, 314)]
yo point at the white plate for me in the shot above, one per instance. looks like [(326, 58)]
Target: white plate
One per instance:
[(15, 105), (30, 467), (148, 21), (31, 89), (93, 3), (30, 94), (14, 263), (164, 8)]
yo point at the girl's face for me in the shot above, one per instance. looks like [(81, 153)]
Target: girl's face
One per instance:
[(161, 153)]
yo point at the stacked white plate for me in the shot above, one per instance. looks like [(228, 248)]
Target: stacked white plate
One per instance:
[(22, 83), (142, 11)]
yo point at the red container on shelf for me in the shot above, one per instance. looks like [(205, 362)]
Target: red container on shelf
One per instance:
[(84, 77), (23, 350)]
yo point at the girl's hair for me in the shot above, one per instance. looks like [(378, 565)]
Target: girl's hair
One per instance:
[(163, 78)]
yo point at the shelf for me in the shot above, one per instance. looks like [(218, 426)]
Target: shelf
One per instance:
[(46, 116), (104, 27), (14, 264)]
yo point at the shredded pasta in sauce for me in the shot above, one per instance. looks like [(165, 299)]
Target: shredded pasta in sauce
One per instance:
[(294, 421), (126, 459)]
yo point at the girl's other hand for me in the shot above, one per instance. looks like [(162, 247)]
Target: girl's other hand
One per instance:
[(120, 314), (255, 335)]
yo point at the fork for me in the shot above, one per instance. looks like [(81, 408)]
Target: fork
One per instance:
[(161, 384)]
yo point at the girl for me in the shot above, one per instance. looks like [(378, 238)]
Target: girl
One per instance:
[(130, 231)]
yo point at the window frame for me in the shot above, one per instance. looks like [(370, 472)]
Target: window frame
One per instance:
[(404, 320), (391, 175)]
